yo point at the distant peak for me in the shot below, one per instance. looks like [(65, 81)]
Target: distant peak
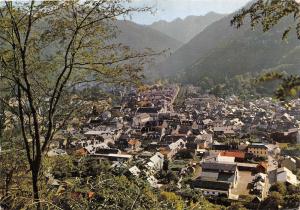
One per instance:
[(177, 19), (212, 13), (189, 18)]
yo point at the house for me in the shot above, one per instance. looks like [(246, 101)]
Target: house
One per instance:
[(285, 175), (184, 130), (141, 119), (221, 147), (239, 156), (190, 144), (122, 142), (274, 149), (289, 163), (224, 130), (135, 171), (259, 184), (81, 152), (217, 178), (156, 162), (212, 187), (153, 182), (135, 144), (290, 136), (258, 149), (203, 141), (99, 135), (151, 111), (176, 146), (208, 122), (105, 150), (225, 159), (172, 149)]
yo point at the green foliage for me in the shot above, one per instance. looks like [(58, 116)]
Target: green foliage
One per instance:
[(289, 86), (282, 195), (291, 150), (48, 48), (293, 189), (85, 183), (175, 200), (292, 201), (236, 206), (273, 201), (109, 190), (268, 14), (244, 86), (279, 187)]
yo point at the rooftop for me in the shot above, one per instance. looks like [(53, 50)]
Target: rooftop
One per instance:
[(148, 110), (236, 154), (219, 166), (258, 145)]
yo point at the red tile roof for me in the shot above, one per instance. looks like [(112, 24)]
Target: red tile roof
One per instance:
[(236, 154), (263, 164), (133, 142)]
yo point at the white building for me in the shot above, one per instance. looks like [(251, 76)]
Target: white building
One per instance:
[(135, 171), (284, 175), (156, 162)]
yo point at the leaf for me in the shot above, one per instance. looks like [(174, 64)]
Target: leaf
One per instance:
[(285, 33), (293, 92)]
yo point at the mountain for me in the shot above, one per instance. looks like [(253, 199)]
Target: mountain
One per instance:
[(140, 37), (185, 29), (221, 50), (137, 37)]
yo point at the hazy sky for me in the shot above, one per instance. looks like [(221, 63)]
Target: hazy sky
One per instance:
[(172, 9)]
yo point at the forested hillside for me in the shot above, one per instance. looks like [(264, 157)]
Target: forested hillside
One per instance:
[(221, 50)]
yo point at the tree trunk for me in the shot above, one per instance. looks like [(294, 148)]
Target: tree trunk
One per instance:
[(35, 174)]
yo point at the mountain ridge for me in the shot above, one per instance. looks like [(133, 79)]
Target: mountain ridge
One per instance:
[(185, 29), (140, 37)]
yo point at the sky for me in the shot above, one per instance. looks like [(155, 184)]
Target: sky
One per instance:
[(172, 9)]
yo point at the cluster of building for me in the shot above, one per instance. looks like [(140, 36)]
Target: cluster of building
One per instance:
[(232, 147)]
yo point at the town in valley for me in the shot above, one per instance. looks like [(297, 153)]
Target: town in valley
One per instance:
[(224, 147)]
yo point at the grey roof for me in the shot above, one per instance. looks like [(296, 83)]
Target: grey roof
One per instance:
[(219, 166), (217, 176), (207, 175), (148, 110), (258, 146)]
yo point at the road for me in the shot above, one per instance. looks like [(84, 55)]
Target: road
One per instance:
[(174, 98)]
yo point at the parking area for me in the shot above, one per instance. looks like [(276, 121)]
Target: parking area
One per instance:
[(242, 188)]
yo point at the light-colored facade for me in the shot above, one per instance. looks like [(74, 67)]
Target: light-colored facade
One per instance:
[(259, 150), (284, 175)]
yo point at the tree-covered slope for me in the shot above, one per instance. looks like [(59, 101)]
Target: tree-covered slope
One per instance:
[(220, 50), (250, 51)]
